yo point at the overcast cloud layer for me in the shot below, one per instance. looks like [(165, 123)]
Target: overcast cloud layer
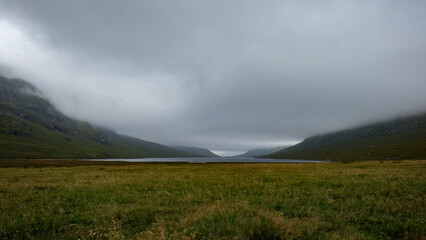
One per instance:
[(225, 75)]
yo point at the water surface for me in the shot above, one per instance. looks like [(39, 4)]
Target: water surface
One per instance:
[(214, 160)]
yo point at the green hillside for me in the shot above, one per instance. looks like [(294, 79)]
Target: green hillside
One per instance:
[(30, 127), (403, 138)]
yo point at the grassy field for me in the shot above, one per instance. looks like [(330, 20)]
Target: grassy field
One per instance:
[(363, 200)]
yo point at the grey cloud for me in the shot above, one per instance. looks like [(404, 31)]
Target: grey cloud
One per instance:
[(227, 75)]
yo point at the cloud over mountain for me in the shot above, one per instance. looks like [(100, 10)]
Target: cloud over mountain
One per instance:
[(228, 76)]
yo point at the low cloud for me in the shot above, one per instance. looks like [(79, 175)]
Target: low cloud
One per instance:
[(228, 76)]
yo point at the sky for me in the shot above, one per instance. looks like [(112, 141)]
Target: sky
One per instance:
[(224, 75)]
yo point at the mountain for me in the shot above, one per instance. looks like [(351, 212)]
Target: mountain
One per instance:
[(202, 152), (402, 138), (30, 127), (259, 152)]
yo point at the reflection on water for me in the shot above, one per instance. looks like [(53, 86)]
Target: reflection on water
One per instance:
[(214, 160)]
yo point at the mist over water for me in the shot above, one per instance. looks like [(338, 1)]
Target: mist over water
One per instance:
[(228, 76)]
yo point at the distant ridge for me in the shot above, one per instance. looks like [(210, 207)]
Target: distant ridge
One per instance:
[(201, 152), (402, 138), (30, 127), (260, 152)]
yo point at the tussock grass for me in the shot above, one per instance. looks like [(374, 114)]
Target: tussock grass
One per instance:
[(363, 200)]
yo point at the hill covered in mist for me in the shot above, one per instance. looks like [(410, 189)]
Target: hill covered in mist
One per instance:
[(31, 127), (402, 138)]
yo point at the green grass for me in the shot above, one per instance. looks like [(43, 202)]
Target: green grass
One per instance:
[(81, 200)]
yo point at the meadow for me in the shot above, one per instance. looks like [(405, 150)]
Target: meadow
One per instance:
[(64, 199)]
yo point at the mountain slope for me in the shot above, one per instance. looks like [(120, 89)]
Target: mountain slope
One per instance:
[(403, 138), (201, 152), (259, 152), (30, 127)]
